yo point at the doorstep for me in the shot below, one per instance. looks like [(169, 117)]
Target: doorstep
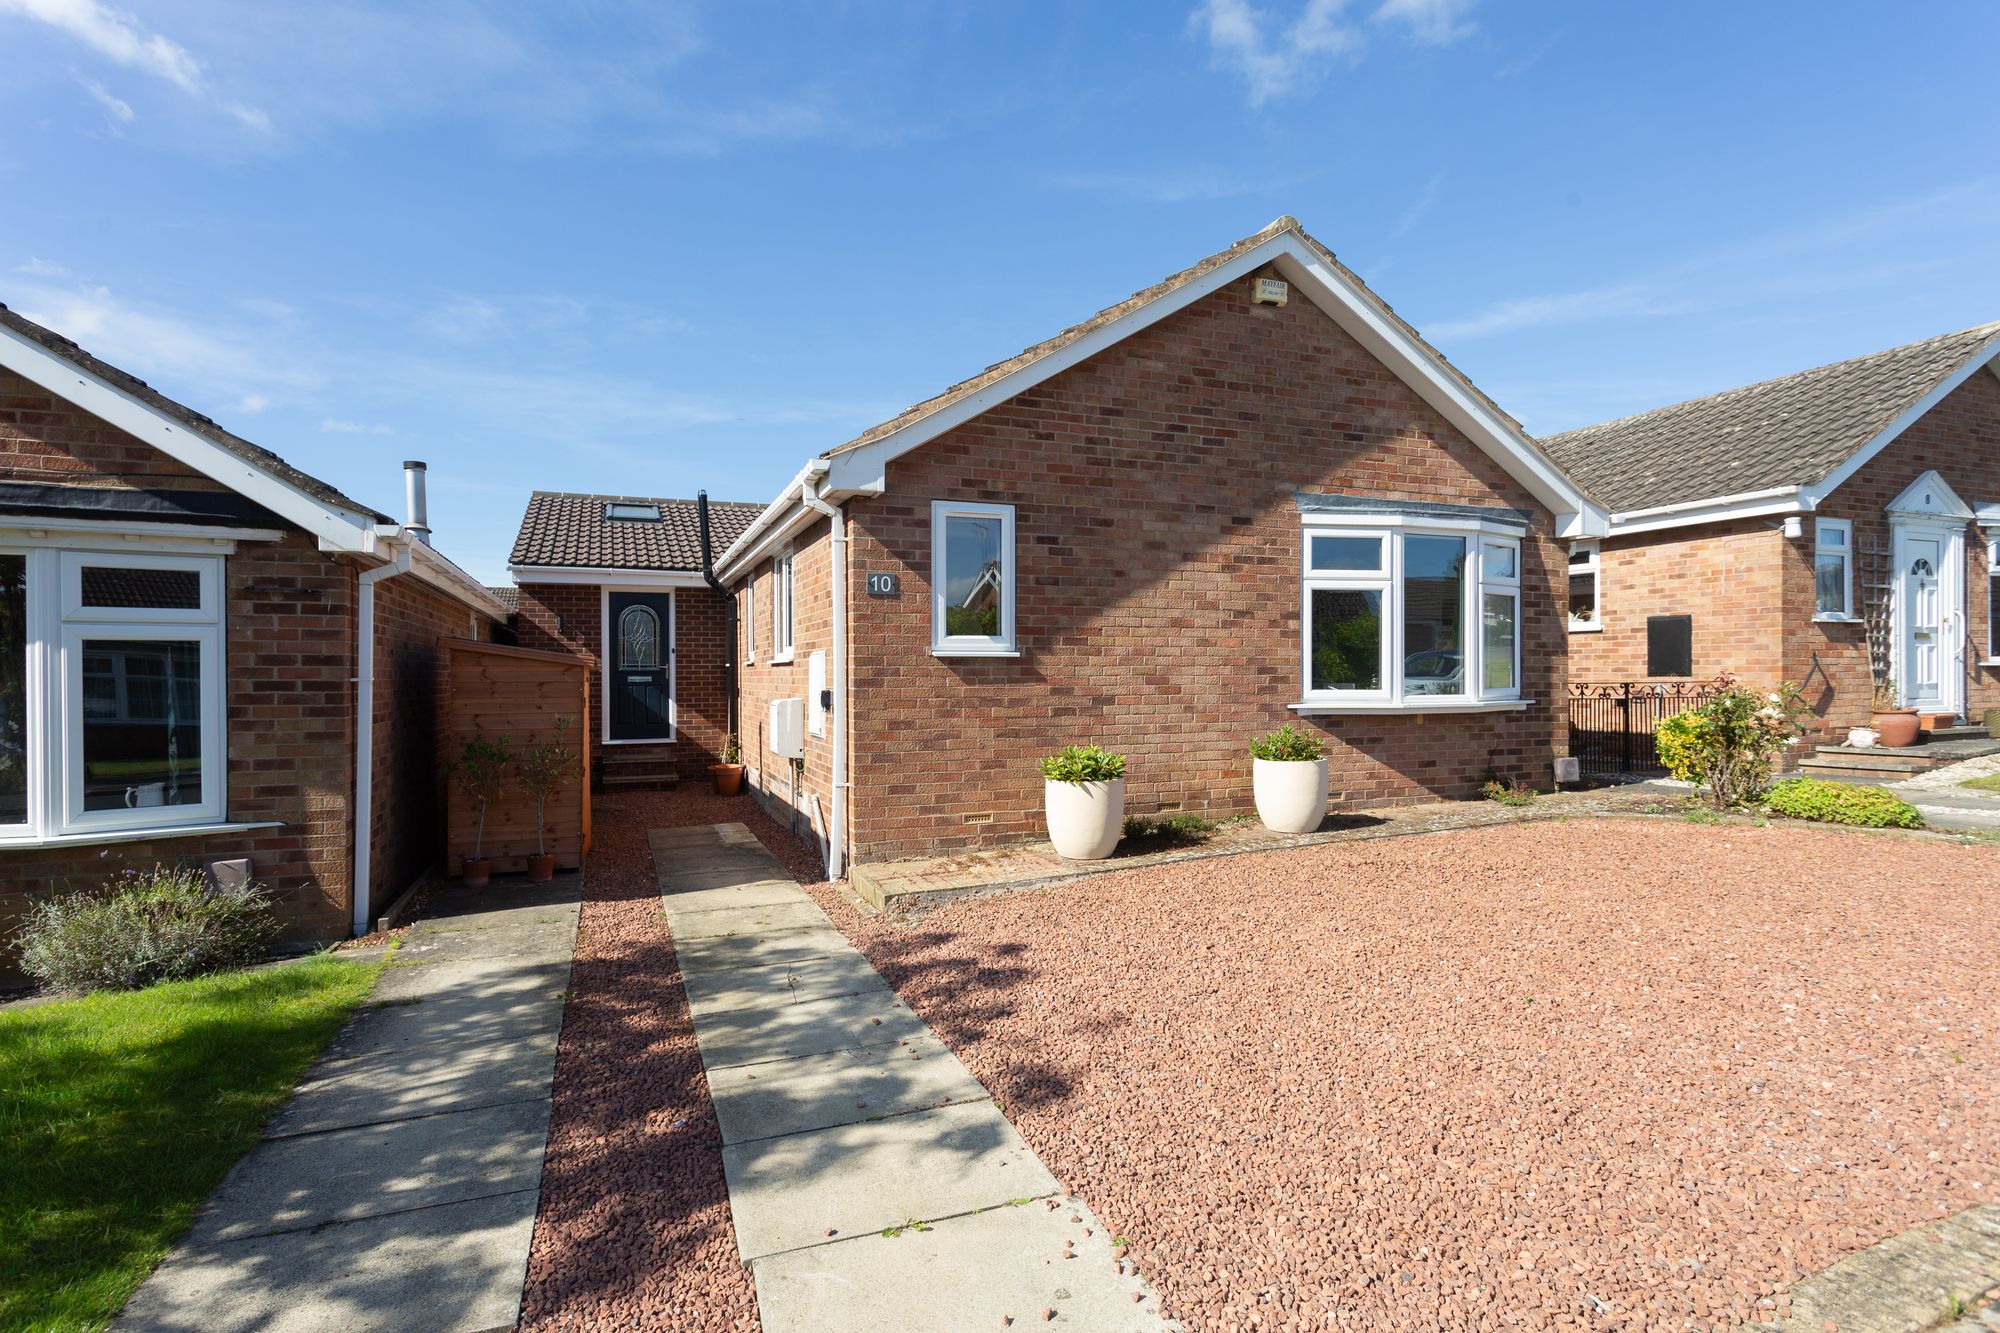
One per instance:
[(914, 883)]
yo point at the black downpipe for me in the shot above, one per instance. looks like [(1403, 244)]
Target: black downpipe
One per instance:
[(729, 603)]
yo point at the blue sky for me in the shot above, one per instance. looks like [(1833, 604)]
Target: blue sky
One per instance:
[(654, 247)]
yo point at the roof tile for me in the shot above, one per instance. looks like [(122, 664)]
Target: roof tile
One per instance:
[(566, 530)]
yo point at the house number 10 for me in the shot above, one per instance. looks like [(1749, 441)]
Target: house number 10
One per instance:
[(884, 585)]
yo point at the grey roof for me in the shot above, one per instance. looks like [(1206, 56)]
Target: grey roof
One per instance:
[(1792, 431), (567, 530), (254, 454), (508, 596)]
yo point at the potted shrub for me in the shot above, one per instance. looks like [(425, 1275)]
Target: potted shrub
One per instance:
[(541, 772), (1084, 798), (1895, 726), (478, 773), (728, 774), (1288, 777)]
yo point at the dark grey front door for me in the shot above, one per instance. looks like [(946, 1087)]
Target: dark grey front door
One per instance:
[(640, 655)]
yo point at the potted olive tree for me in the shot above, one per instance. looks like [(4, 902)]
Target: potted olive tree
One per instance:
[(541, 772), (727, 775), (1083, 795), (479, 774), (1289, 779)]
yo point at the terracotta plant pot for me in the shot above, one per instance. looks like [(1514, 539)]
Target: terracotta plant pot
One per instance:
[(1895, 727), (728, 778), (478, 873), (1290, 793), (1085, 818), (542, 869)]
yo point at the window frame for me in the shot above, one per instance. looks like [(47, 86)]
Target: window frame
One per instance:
[(1593, 565), (1844, 526), (1388, 581), (1003, 644), (1992, 601), (57, 626), (750, 619), (783, 633)]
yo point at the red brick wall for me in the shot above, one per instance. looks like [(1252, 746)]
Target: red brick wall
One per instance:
[(49, 440), (1158, 543), (1727, 578), (765, 680), (569, 618)]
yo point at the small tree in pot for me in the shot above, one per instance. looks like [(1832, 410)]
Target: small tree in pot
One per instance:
[(1083, 795), (480, 773), (1289, 779), (541, 772), (727, 774)]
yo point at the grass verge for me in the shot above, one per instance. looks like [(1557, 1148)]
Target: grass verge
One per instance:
[(1991, 782), (119, 1112)]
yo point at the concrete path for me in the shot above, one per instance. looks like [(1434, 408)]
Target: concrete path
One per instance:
[(873, 1183), (397, 1188)]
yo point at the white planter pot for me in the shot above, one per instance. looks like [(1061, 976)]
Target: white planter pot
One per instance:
[(1862, 738), (1291, 793), (1085, 818)]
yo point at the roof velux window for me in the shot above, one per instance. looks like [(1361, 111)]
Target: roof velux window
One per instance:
[(632, 511)]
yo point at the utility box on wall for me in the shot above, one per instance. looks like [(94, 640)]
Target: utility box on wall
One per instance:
[(816, 694), (788, 728)]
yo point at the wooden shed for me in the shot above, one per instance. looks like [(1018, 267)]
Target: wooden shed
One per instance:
[(494, 690)]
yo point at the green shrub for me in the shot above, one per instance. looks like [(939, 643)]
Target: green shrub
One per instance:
[(1182, 830), (1508, 793), (143, 927), (1729, 746), (1288, 744), (1083, 763), (1842, 803)]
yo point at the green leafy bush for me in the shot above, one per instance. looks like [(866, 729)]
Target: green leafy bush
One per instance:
[(1182, 830), (1288, 744), (1083, 763), (142, 927), (1842, 803), (1508, 793), (1729, 746)]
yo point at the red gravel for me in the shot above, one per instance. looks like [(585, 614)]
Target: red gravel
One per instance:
[(1586, 1074), (634, 1229)]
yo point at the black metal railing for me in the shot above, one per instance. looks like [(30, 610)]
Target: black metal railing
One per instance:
[(1611, 722)]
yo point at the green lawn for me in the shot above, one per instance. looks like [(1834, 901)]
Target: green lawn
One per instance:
[(1989, 783), (119, 1113)]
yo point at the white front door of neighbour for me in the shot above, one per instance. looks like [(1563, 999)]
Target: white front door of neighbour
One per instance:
[(1923, 622)]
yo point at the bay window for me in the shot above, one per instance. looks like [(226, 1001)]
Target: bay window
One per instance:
[(1410, 611), (111, 692)]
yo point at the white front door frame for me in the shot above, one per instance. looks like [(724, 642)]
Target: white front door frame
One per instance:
[(1928, 509)]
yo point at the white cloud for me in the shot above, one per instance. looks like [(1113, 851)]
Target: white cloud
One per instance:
[(341, 426), (1432, 21), (250, 404), (120, 38), (1276, 59), (1422, 204), (159, 344), (117, 108), (43, 268)]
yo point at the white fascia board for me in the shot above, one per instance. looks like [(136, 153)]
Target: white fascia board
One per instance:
[(336, 528), (801, 517), (578, 575), (1790, 500), (438, 570), (786, 503), (110, 533), (1987, 355)]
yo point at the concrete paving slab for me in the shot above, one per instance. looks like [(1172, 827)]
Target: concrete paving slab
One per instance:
[(969, 1272), (504, 902), (839, 1088), (750, 893), (725, 952), (779, 984), (703, 835), (285, 1184), (488, 980), (521, 944), (785, 1192), (843, 1022), (446, 1018), (458, 1268), (755, 920), (422, 1080)]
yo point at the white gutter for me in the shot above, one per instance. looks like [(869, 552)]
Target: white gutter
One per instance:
[(814, 468), (1714, 501), (364, 731), (836, 833)]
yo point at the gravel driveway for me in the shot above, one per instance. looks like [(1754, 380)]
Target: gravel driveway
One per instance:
[(1598, 1073)]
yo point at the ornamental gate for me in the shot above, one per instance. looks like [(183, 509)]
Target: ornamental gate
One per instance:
[(1611, 722)]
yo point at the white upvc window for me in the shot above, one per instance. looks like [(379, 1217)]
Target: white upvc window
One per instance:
[(1409, 614), (972, 579), (1586, 604), (1993, 601), (750, 618), (112, 702), (1833, 569), (781, 608)]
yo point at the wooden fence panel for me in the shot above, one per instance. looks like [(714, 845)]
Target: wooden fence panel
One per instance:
[(496, 690)]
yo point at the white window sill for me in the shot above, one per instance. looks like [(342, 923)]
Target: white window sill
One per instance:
[(781, 659), (99, 837), (1591, 627), (1325, 708), (1836, 620), (1989, 661), (938, 650)]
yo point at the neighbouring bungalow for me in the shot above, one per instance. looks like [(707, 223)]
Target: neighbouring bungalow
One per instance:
[(1245, 496), (208, 657), (1835, 528)]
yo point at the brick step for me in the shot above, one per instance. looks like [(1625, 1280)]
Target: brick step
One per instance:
[(648, 780), (1970, 732), (1867, 777), (1911, 760)]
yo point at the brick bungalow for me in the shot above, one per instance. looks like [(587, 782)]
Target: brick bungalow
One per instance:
[(1802, 528), (1248, 495), (628, 569), (196, 641)]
